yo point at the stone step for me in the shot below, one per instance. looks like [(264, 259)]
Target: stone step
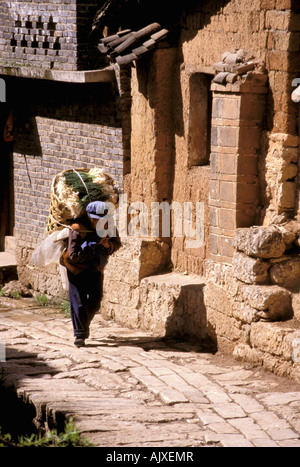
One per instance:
[(8, 267), (172, 304), (10, 244), (275, 346)]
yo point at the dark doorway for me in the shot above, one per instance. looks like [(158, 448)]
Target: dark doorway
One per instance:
[(6, 174)]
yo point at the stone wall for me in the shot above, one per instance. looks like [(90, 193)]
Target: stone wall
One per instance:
[(249, 302), (253, 305), (240, 165), (48, 34), (278, 175), (136, 295)]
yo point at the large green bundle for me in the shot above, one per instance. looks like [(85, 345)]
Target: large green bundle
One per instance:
[(72, 190)]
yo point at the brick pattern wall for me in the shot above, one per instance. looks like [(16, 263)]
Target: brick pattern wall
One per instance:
[(59, 126), (237, 122), (49, 34)]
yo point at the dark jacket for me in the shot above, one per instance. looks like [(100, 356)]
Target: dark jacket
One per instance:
[(85, 252)]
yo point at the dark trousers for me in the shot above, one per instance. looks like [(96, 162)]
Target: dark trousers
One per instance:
[(85, 293)]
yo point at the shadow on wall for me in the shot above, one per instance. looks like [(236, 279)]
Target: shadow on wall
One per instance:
[(188, 320), (93, 103)]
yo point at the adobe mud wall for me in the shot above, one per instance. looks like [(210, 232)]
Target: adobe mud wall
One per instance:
[(241, 151), (244, 169)]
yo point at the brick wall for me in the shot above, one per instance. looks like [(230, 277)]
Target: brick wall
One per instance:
[(237, 123), (57, 126), (48, 33)]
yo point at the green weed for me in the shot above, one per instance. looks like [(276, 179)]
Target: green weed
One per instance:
[(69, 438), (65, 307), (42, 300)]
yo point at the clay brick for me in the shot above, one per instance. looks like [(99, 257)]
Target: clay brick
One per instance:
[(228, 164), (284, 4), (217, 107), (228, 136), (214, 244), (250, 137), (248, 193), (247, 164), (227, 219), (231, 108), (226, 246), (34, 29), (213, 212), (253, 107), (214, 189), (228, 191), (214, 162)]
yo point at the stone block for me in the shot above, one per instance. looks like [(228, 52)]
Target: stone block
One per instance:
[(273, 339), (245, 313), (286, 273), (288, 172), (121, 313), (286, 196), (136, 259), (216, 298), (260, 242), (272, 303), (285, 140), (250, 270), (172, 305)]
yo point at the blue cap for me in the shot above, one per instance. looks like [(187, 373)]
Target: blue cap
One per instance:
[(97, 209)]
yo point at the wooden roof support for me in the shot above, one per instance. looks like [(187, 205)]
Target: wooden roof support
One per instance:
[(118, 35), (127, 46), (126, 59)]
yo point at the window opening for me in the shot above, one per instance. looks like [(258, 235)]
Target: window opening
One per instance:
[(200, 115)]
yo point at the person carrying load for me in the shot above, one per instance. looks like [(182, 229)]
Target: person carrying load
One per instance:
[(85, 258)]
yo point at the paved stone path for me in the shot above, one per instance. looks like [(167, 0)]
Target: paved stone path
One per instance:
[(128, 388)]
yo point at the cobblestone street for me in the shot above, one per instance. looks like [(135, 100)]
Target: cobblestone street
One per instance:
[(128, 388)]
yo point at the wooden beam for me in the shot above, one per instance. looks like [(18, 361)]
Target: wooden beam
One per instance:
[(151, 28), (127, 43), (126, 59), (118, 35), (158, 36), (150, 44), (140, 50), (119, 41)]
